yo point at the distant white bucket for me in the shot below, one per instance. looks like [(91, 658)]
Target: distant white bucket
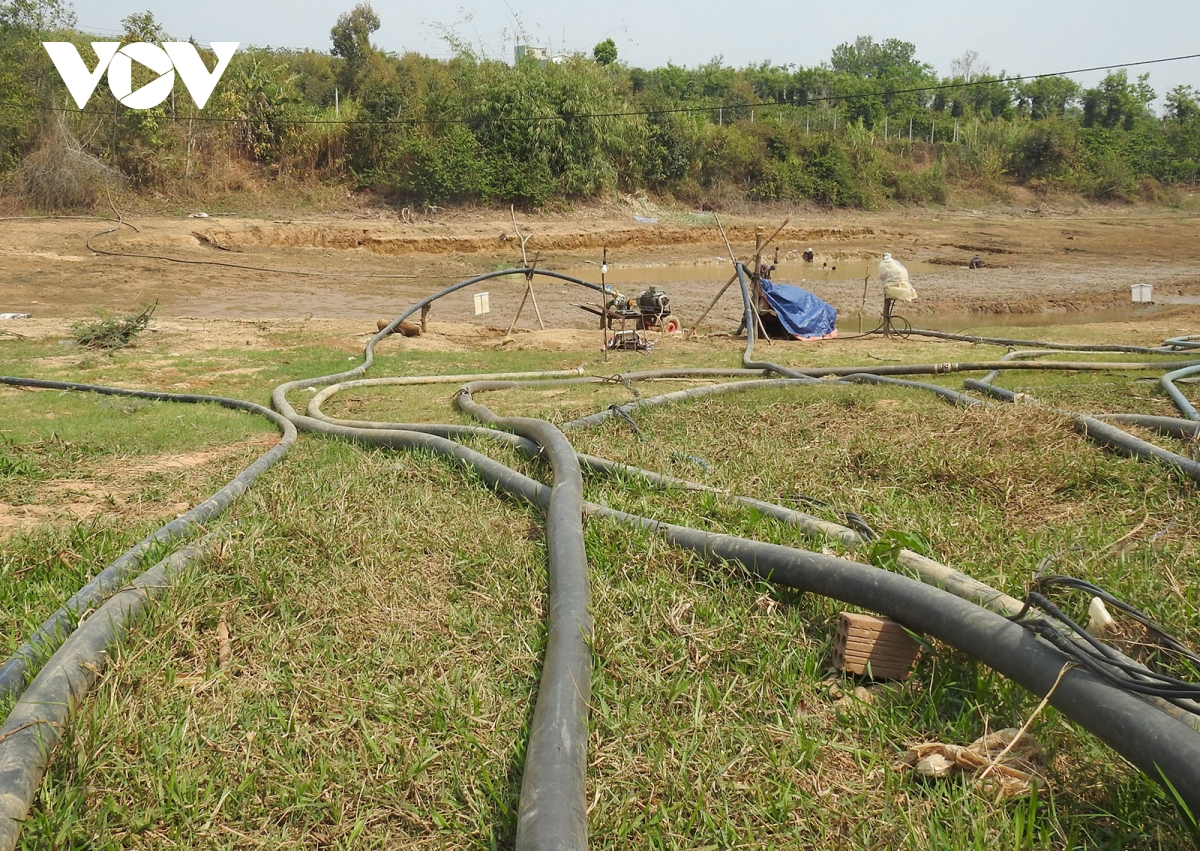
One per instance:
[(1143, 293)]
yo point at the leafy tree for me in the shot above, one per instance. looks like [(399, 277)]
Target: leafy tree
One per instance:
[(24, 69), (891, 59), (35, 16), (1046, 97), (771, 82), (140, 143), (1181, 129), (1048, 150), (605, 52), (1116, 102), (1183, 103), (141, 26), (257, 91), (978, 92), (351, 37), (880, 78)]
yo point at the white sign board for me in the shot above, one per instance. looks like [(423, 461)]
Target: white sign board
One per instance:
[(481, 304)]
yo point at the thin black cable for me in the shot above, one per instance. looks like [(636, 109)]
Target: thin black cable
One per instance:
[(1098, 647), (1097, 656), (828, 99), (1136, 614), (624, 414), (852, 519)]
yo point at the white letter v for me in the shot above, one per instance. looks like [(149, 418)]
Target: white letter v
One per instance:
[(191, 68), (80, 81)]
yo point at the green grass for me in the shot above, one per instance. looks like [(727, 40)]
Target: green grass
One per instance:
[(386, 611)]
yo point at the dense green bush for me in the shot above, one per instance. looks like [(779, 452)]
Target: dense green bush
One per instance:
[(859, 131)]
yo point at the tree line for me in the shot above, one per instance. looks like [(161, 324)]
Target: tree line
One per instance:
[(870, 126)]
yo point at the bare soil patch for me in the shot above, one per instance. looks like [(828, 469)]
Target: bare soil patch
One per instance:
[(1041, 259), (105, 488)]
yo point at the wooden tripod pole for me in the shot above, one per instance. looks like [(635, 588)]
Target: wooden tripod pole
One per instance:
[(713, 303), (762, 329), (604, 304), (756, 290), (862, 307), (520, 307), (533, 298), (528, 277)]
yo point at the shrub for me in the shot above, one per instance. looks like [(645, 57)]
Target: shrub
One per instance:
[(112, 332), (60, 175)]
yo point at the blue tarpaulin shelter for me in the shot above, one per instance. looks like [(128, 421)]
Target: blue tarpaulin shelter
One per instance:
[(800, 312)]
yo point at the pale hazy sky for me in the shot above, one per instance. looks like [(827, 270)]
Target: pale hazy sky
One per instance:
[(1015, 36)]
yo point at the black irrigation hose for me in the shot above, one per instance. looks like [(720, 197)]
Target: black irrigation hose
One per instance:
[(1123, 730), (1191, 342), (1169, 347), (43, 642), (279, 396), (951, 396), (684, 395), (1170, 426), (935, 388), (1164, 637), (1159, 744), (1127, 444), (1104, 662), (1103, 433), (39, 719), (1168, 384), (930, 571), (749, 321), (552, 809), (852, 519), (980, 366), (552, 806), (317, 421)]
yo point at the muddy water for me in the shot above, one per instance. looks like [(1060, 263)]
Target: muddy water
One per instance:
[(791, 270), (953, 322)]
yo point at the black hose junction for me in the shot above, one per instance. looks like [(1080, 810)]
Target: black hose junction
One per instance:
[(552, 812)]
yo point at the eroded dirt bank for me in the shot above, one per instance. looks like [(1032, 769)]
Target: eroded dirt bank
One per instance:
[(1037, 260)]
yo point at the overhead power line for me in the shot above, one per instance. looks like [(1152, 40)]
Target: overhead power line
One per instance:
[(518, 119)]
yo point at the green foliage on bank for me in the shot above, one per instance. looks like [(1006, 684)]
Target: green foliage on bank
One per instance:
[(873, 125)]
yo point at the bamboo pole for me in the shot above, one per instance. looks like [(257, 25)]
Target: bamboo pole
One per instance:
[(712, 304), (604, 304), (761, 328), (532, 294), (533, 298), (720, 227), (528, 278), (520, 307), (862, 307), (756, 289)]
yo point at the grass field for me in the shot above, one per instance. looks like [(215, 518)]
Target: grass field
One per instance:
[(386, 609)]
